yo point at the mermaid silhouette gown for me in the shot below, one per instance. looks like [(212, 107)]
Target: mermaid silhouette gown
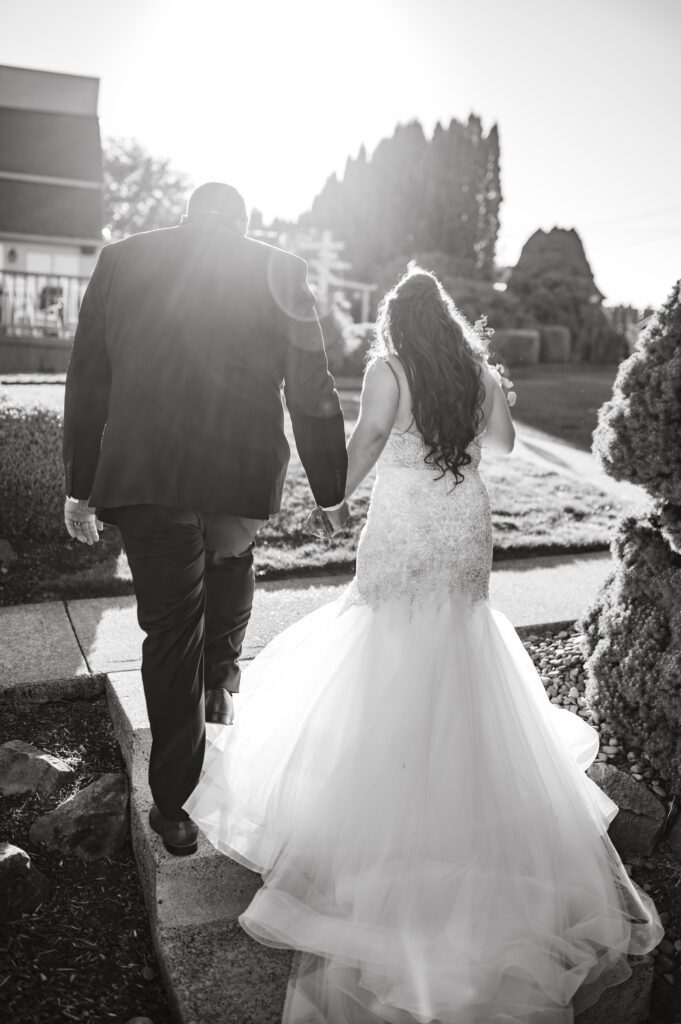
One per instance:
[(417, 806)]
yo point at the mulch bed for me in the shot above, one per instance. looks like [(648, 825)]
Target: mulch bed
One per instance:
[(86, 953)]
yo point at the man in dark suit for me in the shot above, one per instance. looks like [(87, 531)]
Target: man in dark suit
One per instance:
[(173, 430)]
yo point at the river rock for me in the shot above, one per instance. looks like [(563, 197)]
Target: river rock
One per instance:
[(22, 887), (637, 826), (8, 556), (26, 770), (672, 840), (92, 823)]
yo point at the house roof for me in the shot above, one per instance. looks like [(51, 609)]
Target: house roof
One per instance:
[(52, 145), (33, 89), (55, 211)]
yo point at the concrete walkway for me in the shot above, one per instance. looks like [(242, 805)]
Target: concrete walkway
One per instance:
[(47, 644), (549, 452)]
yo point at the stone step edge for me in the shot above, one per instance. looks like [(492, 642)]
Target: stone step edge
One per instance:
[(204, 887)]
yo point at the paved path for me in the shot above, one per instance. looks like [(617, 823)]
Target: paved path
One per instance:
[(549, 452), (55, 641)]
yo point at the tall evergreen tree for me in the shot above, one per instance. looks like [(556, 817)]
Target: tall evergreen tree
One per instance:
[(415, 195)]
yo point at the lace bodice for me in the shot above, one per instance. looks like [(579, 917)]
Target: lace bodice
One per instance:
[(422, 533), (405, 449)]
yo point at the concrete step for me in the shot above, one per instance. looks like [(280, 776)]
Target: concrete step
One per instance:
[(179, 890), (213, 972), (216, 974)]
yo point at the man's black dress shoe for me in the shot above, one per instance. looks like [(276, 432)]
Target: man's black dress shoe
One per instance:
[(179, 837), (219, 706)]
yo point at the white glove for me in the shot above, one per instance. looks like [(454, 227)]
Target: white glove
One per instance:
[(81, 522)]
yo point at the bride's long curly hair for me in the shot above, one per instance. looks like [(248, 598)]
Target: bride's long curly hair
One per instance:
[(442, 355)]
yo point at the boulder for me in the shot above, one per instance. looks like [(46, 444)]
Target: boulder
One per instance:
[(27, 770), (92, 823), (672, 840), (8, 556), (22, 887), (636, 828)]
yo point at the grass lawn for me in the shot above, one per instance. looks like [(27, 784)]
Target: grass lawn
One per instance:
[(562, 399), (535, 510)]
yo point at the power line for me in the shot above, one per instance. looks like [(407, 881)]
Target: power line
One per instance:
[(633, 216), (632, 240)]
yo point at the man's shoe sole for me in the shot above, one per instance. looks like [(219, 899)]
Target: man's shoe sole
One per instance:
[(217, 718), (179, 851)]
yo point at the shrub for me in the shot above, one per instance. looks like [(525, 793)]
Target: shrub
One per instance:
[(357, 340), (632, 632), (516, 347), (632, 642), (31, 473), (638, 431), (555, 346)]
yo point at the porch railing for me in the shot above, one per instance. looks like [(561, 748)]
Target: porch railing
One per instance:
[(39, 305)]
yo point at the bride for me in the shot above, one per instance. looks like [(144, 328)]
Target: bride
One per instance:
[(418, 808)]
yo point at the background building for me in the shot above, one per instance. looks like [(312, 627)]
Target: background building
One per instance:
[(50, 173), (51, 211)]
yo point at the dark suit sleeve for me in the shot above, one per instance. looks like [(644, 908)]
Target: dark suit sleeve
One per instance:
[(310, 392), (86, 398)]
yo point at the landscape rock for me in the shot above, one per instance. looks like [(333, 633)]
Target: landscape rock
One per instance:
[(637, 826), (672, 840), (92, 823), (22, 887), (27, 770), (8, 556)]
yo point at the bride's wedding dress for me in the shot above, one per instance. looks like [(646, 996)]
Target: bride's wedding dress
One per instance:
[(418, 808)]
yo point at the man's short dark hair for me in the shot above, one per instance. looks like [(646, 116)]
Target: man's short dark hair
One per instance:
[(218, 198)]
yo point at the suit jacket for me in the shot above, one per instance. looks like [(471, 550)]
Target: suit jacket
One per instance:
[(174, 388)]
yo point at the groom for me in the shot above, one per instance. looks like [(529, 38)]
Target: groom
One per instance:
[(173, 431)]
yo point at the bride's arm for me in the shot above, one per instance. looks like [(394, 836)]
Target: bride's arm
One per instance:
[(378, 409), (499, 434)]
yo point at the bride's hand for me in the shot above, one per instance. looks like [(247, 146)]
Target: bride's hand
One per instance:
[(317, 523), (498, 371)]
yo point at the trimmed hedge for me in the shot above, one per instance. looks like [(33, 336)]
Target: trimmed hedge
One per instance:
[(555, 344), (631, 636), (515, 347), (31, 473), (632, 632)]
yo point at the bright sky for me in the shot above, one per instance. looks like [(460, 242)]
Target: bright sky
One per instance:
[(272, 96)]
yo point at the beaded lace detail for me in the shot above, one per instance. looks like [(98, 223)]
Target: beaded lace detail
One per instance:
[(422, 535)]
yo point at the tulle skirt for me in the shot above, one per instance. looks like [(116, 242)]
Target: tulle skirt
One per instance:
[(420, 814)]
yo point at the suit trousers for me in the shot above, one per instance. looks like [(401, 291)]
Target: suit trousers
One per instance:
[(194, 583)]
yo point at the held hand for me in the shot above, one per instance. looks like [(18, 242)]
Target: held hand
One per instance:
[(338, 517), (81, 522), (326, 524)]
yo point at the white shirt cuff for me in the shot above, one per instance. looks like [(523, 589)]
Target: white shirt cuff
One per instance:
[(332, 508)]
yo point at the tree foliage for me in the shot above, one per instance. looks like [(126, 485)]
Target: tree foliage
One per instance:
[(555, 285), (632, 633), (141, 191), (416, 194)]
